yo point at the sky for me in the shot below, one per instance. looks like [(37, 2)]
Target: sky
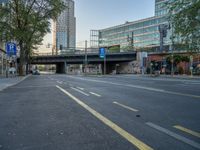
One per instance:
[(100, 14)]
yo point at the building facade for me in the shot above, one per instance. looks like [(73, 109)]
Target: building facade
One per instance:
[(160, 7), (141, 35), (64, 29)]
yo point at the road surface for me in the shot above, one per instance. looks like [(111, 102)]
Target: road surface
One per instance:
[(60, 112)]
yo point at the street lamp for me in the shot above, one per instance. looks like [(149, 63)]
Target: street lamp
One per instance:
[(151, 69), (172, 48), (86, 59)]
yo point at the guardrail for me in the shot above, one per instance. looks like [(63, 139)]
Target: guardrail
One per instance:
[(77, 53)]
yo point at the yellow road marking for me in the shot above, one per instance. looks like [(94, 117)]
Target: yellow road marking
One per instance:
[(136, 142), (124, 106), (194, 133)]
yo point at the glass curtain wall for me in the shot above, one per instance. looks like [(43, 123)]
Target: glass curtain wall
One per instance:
[(144, 35)]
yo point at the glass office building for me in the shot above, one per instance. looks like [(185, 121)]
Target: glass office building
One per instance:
[(160, 7), (141, 35), (64, 30)]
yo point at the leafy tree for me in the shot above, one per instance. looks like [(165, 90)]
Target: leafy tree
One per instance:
[(127, 48), (114, 49), (26, 22), (184, 15)]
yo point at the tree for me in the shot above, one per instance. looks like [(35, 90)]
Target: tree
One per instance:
[(184, 15), (26, 22), (115, 48)]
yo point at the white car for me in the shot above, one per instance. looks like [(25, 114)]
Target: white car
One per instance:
[(12, 70)]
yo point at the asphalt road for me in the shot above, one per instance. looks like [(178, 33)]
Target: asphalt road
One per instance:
[(60, 112)]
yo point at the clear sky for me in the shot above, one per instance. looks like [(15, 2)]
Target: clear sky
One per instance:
[(99, 14)]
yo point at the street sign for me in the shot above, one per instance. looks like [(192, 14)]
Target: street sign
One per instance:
[(11, 49), (102, 52)]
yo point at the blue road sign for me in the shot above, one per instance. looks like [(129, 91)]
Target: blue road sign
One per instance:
[(11, 49), (102, 52)]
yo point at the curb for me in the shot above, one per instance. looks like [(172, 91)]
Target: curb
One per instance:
[(15, 83)]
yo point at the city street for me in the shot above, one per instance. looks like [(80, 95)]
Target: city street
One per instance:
[(114, 112)]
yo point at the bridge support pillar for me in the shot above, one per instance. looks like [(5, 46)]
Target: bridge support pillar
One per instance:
[(61, 68), (109, 68)]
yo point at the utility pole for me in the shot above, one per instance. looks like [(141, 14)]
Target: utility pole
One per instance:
[(172, 50), (105, 63), (85, 66), (2, 62), (56, 46), (191, 65)]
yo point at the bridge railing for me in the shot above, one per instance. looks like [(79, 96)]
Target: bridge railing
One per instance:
[(76, 52)]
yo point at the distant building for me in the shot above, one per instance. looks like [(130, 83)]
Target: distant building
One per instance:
[(64, 29), (141, 35)]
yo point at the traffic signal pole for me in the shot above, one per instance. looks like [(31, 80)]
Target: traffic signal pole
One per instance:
[(105, 63), (85, 67)]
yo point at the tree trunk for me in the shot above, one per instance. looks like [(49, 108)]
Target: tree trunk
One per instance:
[(22, 59)]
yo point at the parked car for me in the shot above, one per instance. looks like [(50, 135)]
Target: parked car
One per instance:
[(12, 71), (35, 72), (196, 71)]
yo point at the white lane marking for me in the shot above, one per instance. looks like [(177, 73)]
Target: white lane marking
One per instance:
[(191, 83), (22, 87), (124, 106), (182, 94), (60, 82), (145, 88), (139, 87), (133, 140), (80, 91), (95, 94), (80, 88), (174, 135)]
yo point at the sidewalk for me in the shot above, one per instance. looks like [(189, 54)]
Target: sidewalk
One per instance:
[(183, 77), (7, 82)]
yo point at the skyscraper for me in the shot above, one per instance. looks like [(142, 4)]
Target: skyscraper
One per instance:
[(64, 29)]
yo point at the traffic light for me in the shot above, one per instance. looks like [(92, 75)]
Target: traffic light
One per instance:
[(164, 32)]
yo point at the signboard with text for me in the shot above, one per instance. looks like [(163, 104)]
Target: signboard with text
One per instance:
[(11, 49), (102, 52)]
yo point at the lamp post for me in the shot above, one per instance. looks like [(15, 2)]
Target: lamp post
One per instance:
[(151, 69), (85, 66), (172, 49), (105, 63)]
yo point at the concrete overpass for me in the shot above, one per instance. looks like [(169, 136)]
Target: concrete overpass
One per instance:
[(61, 61)]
